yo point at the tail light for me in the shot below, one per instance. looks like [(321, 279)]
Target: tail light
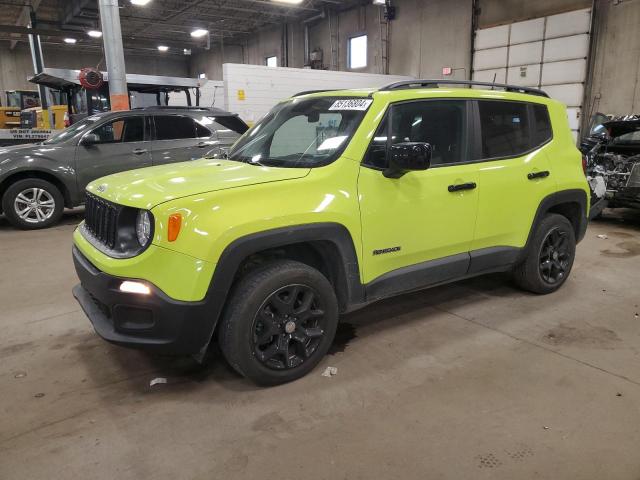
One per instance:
[(67, 120), (584, 164)]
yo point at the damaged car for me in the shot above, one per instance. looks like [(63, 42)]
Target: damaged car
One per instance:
[(612, 156)]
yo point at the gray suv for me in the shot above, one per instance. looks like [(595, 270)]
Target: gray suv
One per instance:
[(38, 181)]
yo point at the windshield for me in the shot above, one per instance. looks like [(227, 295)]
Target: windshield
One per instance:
[(72, 131), (302, 133)]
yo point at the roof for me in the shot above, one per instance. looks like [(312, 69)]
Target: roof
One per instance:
[(435, 91)]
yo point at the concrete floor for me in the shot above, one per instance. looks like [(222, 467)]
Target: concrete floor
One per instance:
[(471, 380)]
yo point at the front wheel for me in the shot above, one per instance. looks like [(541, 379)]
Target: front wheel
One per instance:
[(33, 203), (549, 257), (279, 322)]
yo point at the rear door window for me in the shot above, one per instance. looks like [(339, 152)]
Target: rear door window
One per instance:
[(505, 128), (174, 127)]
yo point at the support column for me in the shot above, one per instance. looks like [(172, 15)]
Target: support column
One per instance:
[(114, 54), (38, 67)]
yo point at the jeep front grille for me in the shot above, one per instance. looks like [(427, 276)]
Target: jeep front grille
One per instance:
[(101, 220)]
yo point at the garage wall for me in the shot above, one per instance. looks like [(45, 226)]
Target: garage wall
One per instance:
[(16, 65), (616, 58), (425, 37), (210, 62)]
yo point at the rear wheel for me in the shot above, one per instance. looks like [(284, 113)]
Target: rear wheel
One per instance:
[(33, 203), (549, 258), (279, 322)]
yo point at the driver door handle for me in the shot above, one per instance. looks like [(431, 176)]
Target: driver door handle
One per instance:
[(462, 186), (139, 151), (534, 175), (202, 145)]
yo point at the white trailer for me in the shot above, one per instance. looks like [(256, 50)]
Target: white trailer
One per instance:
[(252, 90)]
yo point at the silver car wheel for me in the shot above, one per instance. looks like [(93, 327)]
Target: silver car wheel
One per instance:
[(34, 205)]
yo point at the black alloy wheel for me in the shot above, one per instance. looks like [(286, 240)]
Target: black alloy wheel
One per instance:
[(279, 322), (288, 327), (555, 256)]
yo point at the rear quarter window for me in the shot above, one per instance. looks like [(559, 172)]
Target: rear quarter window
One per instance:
[(542, 132)]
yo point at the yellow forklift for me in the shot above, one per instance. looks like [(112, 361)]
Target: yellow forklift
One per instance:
[(16, 102), (34, 117)]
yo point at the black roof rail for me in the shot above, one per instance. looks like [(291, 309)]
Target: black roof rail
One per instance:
[(169, 107), (437, 82), (214, 110)]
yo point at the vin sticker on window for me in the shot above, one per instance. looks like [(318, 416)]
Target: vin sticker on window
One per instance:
[(360, 104)]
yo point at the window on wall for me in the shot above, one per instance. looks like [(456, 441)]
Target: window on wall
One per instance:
[(272, 61), (358, 52)]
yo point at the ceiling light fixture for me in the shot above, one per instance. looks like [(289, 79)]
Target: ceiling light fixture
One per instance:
[(199, 32), (290, 2), (140, 3), (163, 48), (94, 33), (70, 41)]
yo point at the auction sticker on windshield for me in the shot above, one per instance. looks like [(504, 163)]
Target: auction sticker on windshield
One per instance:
[(359, 104)]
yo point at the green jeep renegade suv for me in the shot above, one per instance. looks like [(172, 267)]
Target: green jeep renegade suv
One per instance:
[(333, 201)]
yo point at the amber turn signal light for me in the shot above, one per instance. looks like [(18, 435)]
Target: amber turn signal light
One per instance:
[(175, 223)]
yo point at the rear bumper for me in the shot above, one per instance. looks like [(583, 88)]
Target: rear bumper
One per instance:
[(152, 322)]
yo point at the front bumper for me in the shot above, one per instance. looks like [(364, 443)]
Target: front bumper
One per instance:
[(152, 322), (626, 197)]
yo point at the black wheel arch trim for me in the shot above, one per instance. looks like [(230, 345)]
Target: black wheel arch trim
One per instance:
[(557, 199), (346, 266)]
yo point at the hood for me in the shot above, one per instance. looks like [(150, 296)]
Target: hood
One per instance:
[(32, 157), (617, 128), (25, 149), (148, 187)]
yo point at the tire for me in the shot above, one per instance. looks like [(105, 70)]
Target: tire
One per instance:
[(549, 258), (266, 334), (21, 210)]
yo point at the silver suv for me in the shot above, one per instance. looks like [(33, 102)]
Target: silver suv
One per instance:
[(38, 181)]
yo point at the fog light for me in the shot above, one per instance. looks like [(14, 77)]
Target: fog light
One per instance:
[(134, 287)]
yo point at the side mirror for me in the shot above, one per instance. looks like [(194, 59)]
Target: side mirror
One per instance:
[(90, 139), (408, 156)]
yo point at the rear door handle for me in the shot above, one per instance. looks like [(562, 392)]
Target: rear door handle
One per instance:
[(534, 175), (462, 186), (139, 151), (202, 145)]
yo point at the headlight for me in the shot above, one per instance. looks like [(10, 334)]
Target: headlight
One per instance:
[(143, 227)]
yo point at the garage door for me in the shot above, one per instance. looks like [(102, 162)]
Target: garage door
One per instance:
[(549, 53)]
